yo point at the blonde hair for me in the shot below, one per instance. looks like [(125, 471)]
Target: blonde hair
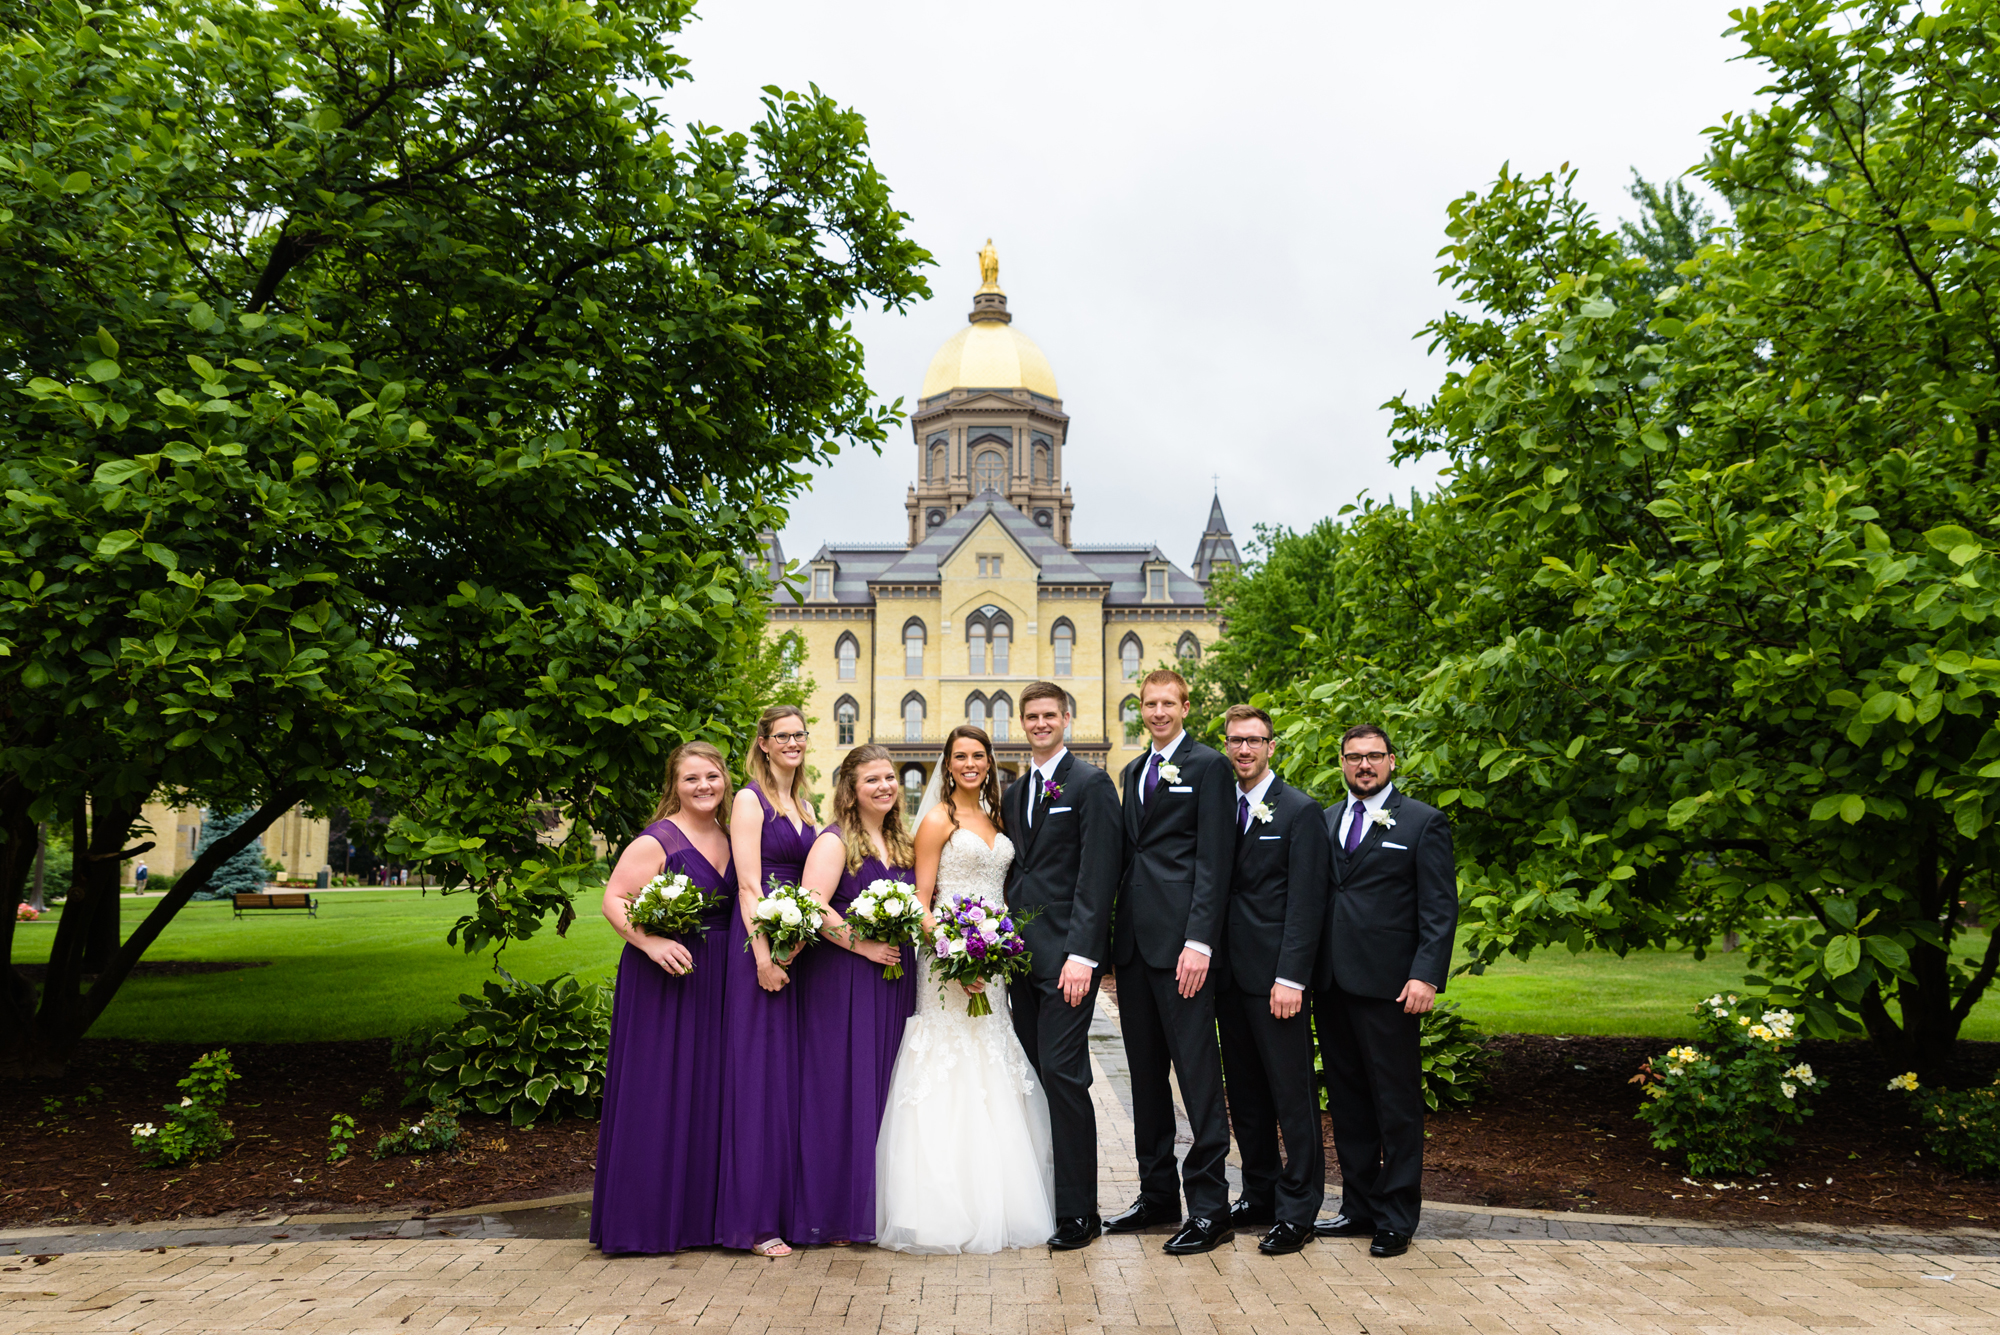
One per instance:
[(758, 763), (847, 812), (670, 796)]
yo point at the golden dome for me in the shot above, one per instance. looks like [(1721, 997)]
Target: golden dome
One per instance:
[(990, 355)]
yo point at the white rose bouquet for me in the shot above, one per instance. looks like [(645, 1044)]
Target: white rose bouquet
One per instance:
[(788, 917), (887, 911), (669, 905), (977, 939)]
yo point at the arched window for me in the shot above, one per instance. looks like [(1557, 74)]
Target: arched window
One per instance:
[(989, 471), (1069, 702), (988, 626), (1129, 652), (847, 651), (1002, 634), (913, 717), (937, 463), (913, 648), (975, 634), (913, 789), (1189, 647), (1128, 711), (1064, 639), (975, 710), (1002, 714), (845, 715), (1041, 463)]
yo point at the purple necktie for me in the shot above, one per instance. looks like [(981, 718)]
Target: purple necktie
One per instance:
[(1243, 812), (1152, 777), (1355, 827)]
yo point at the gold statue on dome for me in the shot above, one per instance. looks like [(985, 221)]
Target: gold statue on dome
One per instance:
[(989, 268)]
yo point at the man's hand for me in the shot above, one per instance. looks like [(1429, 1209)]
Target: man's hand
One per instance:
[(1074, 982), (1285, 1001), (1416, 997), (1192, 971)]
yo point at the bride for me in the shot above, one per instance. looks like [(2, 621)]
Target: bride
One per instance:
[(963, 1162)]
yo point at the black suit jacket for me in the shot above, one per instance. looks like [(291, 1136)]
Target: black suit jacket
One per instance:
[(1178, 850), (1277, 894), (1065, 866), (1395, 903)]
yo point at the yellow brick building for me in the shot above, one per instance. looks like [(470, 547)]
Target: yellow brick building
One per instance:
[(296, 839), (986, 592)]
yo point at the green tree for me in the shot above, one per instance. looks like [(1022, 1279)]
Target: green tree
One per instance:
[(1711, 594), (392, 401), (243, 872)]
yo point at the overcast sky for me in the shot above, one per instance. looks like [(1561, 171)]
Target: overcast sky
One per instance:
[(1219, 221)]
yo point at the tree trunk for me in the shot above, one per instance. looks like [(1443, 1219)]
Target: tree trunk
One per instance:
[(1927, 1038)]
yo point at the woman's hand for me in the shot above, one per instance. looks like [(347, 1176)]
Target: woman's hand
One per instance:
[(975, 987), (881, 952), (771, 976), (668, 953)]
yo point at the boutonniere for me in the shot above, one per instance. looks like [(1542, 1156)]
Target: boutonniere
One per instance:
[(1051, 790), (1261, 813), (1380, 816), (1170, 773)]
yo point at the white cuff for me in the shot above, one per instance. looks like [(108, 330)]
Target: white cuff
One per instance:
[(1286, 982), (1078, 959), (1196, 945)]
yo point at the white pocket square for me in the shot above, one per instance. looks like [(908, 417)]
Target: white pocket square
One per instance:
[(1270, 836), (1387, 844), (1055, 811), (1185, 788)]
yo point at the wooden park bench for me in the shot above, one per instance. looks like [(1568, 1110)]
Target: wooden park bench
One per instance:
[(298, 901)]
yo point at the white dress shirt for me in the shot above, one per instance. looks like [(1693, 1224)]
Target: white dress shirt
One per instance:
[(1256, 795), (1038, 775), (1371, 804)]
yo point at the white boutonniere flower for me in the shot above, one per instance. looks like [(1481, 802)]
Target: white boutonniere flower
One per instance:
[(1380, 816), (1261, 813), (1170, 773)]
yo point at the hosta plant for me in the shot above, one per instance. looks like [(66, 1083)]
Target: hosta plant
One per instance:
[(525, 1050)]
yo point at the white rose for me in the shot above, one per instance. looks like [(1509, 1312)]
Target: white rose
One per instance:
[(769, 909), (990, 930), (677, 890), (789, 914), (897, 908), (864, 907)]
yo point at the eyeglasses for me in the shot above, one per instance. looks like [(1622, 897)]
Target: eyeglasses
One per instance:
[(1245, 743), (1364, 757), (787, 738)]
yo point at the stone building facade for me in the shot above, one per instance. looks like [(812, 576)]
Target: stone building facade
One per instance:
[(986, 592), (296, 839)]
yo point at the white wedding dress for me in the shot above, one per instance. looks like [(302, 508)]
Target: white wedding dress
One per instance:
[(963, 1163)]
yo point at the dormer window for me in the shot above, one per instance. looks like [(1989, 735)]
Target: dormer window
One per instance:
[(822, 583), (1156, 582)]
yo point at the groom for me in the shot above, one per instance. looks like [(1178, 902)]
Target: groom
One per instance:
[(1062, 816)]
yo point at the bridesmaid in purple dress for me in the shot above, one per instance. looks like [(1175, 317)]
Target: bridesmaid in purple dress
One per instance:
[(771, 830), (850, 1017), (661, 1133)]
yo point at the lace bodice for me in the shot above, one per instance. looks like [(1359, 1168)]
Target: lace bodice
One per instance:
[(967, 866)]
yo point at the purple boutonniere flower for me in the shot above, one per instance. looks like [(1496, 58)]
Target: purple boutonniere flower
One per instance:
[(1051, 790)]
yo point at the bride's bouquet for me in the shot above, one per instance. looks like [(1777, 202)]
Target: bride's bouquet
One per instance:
[(788, 917), (887, 911), (669, 905), (977, 940)]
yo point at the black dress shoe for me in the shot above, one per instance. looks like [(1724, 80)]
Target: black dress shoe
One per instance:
[(1284, 1239), (1074, 1232), (1198, 1236), (1388, 1242), (1144, 1214), (1340, 1226), (1245, 1215)]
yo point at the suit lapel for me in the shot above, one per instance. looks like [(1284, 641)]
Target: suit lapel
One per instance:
[(1375, 831), (1131, 809), (1152, 809)]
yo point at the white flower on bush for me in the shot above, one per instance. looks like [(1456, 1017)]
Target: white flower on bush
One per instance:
[(1803, 1073), (187, 1103), (1788, 1087), (145, 1129), (1683, 1056), (1907, 1080)]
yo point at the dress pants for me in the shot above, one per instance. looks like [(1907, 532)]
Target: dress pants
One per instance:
[(1267, 1065), (1375, 1094), (1056, 1037), (1165, 1031)]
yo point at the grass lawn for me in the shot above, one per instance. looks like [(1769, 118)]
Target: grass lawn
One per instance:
[(374, 963)]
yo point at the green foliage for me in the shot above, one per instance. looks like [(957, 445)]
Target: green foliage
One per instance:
[(1699, 635), (339, 1138), (526, 1050), (436, 1131), (195, 1128), (243, 872), (395, 398), (1962, 1127), (1283, 590), (1454, 1055), (1726, 1109), (408, 1053)]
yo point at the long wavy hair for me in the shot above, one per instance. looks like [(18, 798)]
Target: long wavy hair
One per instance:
[(847, 812), (989, 791), (758, 764), (670, 796)]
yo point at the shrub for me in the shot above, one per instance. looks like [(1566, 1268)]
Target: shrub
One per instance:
[(1455, 1057), (159, 882), (339, 1138), (1961, 1127), (526, 1050), (1726, 1110), (194, 1129), (433, 1133)]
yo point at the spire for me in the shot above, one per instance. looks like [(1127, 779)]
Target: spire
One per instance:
[(1217, 547), (989, 304)]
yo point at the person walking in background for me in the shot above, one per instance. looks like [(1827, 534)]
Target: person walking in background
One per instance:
[(771, 831), (850, 1017), (1384, 955), (1179, 845), (661, 1131), (1065, 872), (1277, 909)]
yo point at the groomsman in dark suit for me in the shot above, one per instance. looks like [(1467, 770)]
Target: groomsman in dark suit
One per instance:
[(1179, 841), (1062, 816), (1384, 954), (1277, 909)]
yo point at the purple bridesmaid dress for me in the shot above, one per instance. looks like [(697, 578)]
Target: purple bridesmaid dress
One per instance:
[(760, 1091), (850, 1028), (658, 1142)]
